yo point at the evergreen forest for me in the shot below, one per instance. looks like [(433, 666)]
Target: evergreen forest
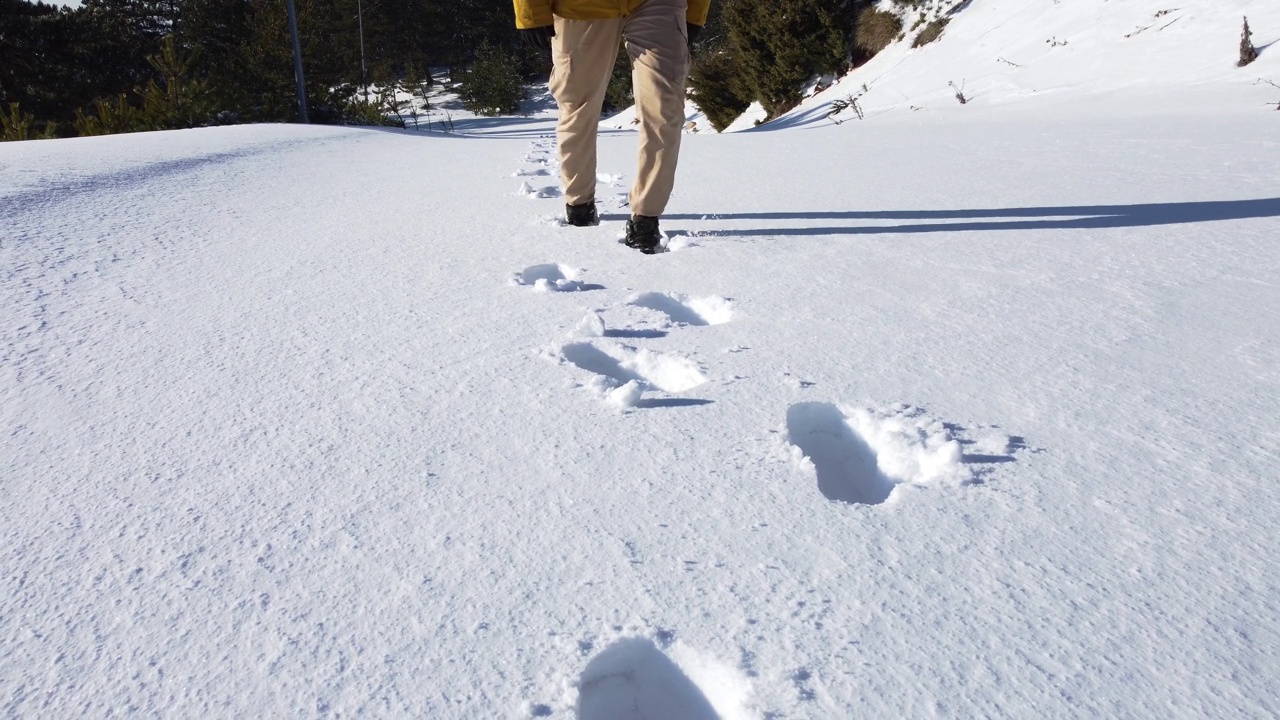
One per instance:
[(112, 66)]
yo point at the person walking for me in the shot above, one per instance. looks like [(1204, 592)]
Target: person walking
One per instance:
[(584, 36)]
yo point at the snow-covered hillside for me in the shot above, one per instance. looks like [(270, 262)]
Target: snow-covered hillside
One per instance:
[(1136, 55), (957, 412), (1132, 56)]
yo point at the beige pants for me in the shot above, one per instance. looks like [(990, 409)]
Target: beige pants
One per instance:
[(583, 52)]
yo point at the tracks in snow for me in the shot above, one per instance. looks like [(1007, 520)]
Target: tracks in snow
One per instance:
[(621, 373), (857, 455), (853, 455)]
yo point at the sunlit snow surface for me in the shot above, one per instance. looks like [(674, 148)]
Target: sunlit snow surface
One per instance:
[(963, 413)]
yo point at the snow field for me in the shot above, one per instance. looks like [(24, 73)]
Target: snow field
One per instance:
[(331, 459)]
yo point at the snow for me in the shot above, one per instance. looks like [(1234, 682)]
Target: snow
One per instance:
[(549, 277), (960, 412), (682, 309)]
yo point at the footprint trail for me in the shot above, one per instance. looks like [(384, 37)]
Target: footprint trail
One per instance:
[(686, 310)]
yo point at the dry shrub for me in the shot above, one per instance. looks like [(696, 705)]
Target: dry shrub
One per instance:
[(931, 32), (876, 30)]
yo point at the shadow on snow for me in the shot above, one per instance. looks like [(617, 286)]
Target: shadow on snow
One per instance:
[(1075, 217)]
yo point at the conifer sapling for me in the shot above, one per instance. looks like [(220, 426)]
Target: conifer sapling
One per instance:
[(1248, 53)]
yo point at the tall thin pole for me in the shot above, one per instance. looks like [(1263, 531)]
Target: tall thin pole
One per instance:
[(364, 75), (297, 64)]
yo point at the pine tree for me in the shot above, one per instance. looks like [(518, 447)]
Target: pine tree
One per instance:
[(781, 45), (182, 102), (55, 60), (621, 91), (417, 82), (718, 87), (109, 118), (19, 125), (493, 85)]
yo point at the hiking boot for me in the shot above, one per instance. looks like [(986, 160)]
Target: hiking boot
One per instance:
[(583, 215), (643, 234)]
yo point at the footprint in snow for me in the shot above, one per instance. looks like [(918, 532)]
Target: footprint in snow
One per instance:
[(685, 309), (633, 680), (861, 455), (531, 192), (680, 240), (532, 172), (593, 326), (842, 459), (552, 277), (622, 374)]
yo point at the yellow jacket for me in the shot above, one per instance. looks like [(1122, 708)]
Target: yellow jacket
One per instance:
[(537, 13)]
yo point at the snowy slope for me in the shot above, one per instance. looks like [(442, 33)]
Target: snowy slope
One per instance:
[(920, 417), (1133, 56), (1138, 55)]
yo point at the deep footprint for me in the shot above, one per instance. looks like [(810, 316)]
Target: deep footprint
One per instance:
[(531, 192), (551, 277), (633, 680), (622, 374), (624, 364), (862, 453), (845, 463), (683, 309)]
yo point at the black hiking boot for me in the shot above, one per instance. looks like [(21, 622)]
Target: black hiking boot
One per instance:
[(583, 215), (643, 234)]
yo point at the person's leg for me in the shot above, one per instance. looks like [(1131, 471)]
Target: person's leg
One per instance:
[(659, 49), (583, 53)]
